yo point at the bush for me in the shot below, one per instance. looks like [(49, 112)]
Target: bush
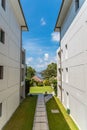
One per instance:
[(55, 86), (27, 86), (68, 110), (40, 83), (46, 82)]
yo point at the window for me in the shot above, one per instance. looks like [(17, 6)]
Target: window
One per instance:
[(66, 46), (59, 54), (66, 75), (62, 54), (67, 99), (66, 52), (1, 72), (3, 3), (2, 36), (0, 109), (76, 5), (59, 70)]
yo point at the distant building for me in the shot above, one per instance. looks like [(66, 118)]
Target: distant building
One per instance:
[(37, 79), (12, 23), (72, 59)]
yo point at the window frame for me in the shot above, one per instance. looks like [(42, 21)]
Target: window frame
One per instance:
[(66, 51), (1, 72), (3, 4), (67, 75), (76, 5), (2, 36), (0, 109)]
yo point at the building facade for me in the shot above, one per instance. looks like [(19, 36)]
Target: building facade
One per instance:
[(72, 59), (12, 22), (23, 74)]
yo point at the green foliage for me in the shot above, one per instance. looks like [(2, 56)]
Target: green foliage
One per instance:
[(50, 71), (27, 86), (53, 81), (56, 120), (46, 82), (40, 83), (32, 82), (30, 72)]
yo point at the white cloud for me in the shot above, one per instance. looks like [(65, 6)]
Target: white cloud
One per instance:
[(46, 56), (55, 36), (29, 60), (41, 66), (43, 22), (38, 56)]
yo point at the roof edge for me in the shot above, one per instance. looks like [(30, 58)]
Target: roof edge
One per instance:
[(26, 26), (58, 17)]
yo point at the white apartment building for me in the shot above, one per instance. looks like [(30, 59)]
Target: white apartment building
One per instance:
[(23, 74), (12, 23), (72, 59)]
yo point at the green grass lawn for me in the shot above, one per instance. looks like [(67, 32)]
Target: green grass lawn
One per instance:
[(43, 89), (58, 121), (68, 119), (23, 118)]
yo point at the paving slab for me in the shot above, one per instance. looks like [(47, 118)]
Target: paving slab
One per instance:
[(40, 119), (40, 109), (40, 105), (40, 126), (55, 111), (40, 114)]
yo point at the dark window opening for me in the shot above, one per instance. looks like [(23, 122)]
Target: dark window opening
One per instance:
[(1, 72), (76, 5), (0, 109), (66, 51), (66, 46), (2, 36), (66, 69), (3, 3), (67, 93), (67, 75), (59, 70), (59, 54)]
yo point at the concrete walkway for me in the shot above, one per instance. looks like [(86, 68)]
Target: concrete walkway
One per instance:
[(40, 119)]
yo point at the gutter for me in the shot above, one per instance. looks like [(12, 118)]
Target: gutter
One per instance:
[(58, 16), (23, 16)]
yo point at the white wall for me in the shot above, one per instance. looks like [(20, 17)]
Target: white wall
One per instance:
[(59, 73), (70, 16), (10, 59), (76, 40)]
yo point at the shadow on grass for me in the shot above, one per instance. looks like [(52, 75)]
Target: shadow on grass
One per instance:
[(56, 120), (23, 117)]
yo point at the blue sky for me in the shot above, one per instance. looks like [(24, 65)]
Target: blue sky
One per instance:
[(40, 42)]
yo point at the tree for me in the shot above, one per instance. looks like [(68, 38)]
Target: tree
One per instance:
[(50, 71), (30, 72), (46, 82)]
